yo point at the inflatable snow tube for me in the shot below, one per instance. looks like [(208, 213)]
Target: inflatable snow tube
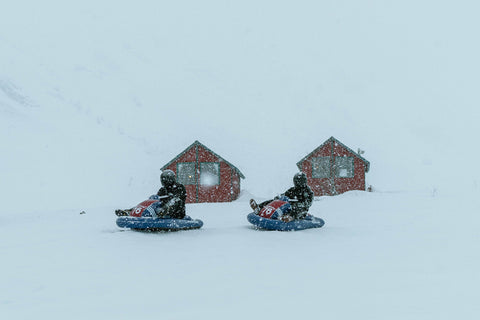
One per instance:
[(308, 222), (158, 224)]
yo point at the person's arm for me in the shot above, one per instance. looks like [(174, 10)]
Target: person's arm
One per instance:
[(290, 193), (182, 194), (307, 200), (161, 192)]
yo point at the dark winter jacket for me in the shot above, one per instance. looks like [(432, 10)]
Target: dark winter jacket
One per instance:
[(304, 197), (174, 203), (301, 197)]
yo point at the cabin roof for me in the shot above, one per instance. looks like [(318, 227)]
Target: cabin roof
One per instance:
[(329, 140), (197, 143)]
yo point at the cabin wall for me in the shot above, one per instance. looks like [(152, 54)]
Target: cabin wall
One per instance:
[(235, 185), (189, 156), (319, 186), (334, 185), (357, 182), (227, 190)]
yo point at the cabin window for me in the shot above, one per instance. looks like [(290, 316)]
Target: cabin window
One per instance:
[(209, 173), (344, 167), (321, 167), (186, 173)]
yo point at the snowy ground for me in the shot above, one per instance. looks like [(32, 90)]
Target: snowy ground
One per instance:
[(379, 256)]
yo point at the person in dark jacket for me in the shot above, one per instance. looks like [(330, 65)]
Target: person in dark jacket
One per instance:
[(172, 195), (300, 195)]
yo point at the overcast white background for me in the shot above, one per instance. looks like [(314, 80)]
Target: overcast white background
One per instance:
[(95, 97), (262, 83)]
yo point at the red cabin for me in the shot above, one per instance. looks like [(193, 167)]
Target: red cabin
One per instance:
[(206, 176), (333, 168)]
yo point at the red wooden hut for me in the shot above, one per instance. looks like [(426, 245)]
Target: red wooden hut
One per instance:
[(333, 168), (206, 176)]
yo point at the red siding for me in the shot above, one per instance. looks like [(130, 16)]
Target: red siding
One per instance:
[(319, 186), (334, 185), (189, 156), (227, 190), (347, 184), (235, 187)]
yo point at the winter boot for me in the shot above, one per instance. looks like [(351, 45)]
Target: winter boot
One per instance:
[(254, 206), (287, 218), (120, 212)]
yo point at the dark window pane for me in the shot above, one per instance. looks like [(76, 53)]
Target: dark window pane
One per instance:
[(186, 173), (209, 173), (344, 167), (321, 167)]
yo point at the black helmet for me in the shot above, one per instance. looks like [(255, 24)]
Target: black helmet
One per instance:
[(300, 180), (167, 178)]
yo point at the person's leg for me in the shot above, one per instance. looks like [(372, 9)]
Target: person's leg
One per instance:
[(123, 212)]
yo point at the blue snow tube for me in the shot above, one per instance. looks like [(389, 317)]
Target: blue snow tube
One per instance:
[(273, 224), (158, 224)]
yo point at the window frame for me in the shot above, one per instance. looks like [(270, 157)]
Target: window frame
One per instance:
[(350, 168), (190, 181), (328, 170), (201, 170)]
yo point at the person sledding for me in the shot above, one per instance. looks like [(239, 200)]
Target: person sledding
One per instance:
[(297, 201), (171, 199)]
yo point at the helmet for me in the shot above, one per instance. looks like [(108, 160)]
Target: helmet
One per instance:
[(167, 178), (300, 180)]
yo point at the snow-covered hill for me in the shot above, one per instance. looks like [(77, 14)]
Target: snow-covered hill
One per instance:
[(121, 89)]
